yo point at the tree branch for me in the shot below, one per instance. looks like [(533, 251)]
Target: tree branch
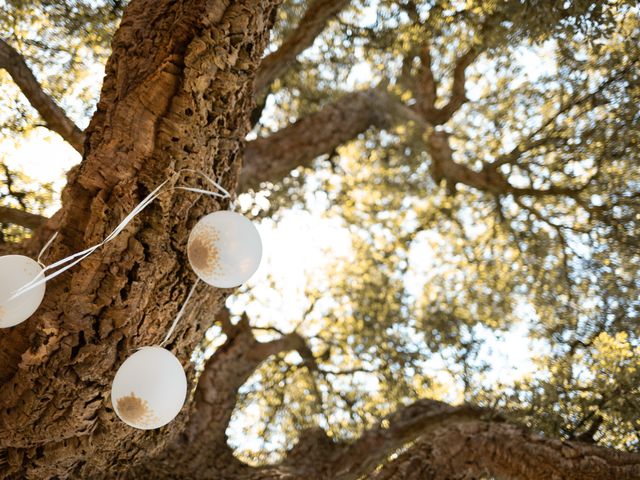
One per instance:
[(269, 159), (289, 342), (53, 115), (501, 450), (458, 91), (425, 85), (404, 425), (426, 90), (314, 21), (488, 179), (443, 167), (21, 217), (455, 443)]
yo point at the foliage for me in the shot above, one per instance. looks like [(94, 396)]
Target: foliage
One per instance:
[(432, 272)]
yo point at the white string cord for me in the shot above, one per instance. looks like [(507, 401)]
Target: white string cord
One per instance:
[(44, 249), (72, 260), (76, 258), (180, 314), (224, 194)]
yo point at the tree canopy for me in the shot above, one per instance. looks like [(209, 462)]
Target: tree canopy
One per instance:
[(474, 164)]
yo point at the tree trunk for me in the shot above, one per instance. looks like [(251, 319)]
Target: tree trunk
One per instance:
[(177, 94)]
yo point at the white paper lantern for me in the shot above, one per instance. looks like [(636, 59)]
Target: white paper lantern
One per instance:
[(224, 249), (149, 388), (15, 272)]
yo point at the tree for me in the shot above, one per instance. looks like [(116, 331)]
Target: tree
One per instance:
[(528, 193)]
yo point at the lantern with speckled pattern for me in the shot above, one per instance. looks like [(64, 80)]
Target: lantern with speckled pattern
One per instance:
[(15, 272), (149, 388), (224, 249)]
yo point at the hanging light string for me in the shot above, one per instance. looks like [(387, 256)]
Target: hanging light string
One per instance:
[(45, 248), (225, 193), (180, 314), (68, 262)]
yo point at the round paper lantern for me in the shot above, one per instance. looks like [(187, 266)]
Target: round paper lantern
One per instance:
[(149, 388), (224, 249), (15, 272)]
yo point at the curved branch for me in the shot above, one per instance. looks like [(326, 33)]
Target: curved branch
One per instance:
[(289, 342), (488, 179), (54, 116), (502, 450), (314, 21), (269, 159), (456, 442), (21, 217), (405, 425), (458, 90)]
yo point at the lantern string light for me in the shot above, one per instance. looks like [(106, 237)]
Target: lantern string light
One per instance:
[(224, 249), (68, 262), (225, 193), (45, 248), (72, 260), (16, 270), (180, 314), (150, 387)]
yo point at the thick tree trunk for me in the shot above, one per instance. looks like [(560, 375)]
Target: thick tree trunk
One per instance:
[(177, 93)]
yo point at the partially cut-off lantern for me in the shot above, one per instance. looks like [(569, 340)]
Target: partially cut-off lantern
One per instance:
[(149, 388), (15, 272), (224, 249)]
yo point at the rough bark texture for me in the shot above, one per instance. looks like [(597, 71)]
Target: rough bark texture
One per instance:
[(477, 449), (177, 93), (55, 118)]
